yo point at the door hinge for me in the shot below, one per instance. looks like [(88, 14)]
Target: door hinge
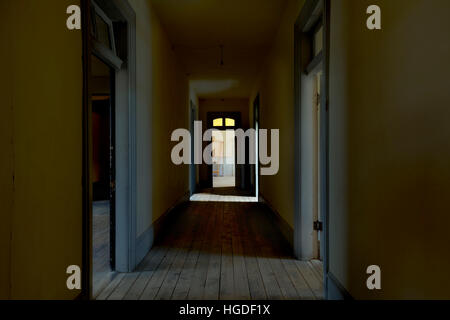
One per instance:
[(318, 225)]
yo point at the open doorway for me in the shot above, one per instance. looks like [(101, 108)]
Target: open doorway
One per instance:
[(103, 172), (193, 169), (311, 125), (224, 172), (109, 142), (223, 158), (317, 229), (226, 179)]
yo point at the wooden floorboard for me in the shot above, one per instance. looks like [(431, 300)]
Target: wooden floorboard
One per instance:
[(100, 246), (125, 284), (318, 268), (197, 287), (312, 280), (184, 242), (227, 270), (299, 282), (241, 286), (219, 250), (212, 284), (181, 290), (111, 287), (255, 281)]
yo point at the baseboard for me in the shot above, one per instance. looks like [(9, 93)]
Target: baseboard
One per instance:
[(335, 290), (146, 240), (286, 230), (144, 243)]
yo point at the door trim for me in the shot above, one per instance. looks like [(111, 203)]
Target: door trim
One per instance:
[(86, 279), (192, 166), (125, 85), (210, 116), (310, 15), (256, 126)]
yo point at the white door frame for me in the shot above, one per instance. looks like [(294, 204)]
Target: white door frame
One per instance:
[(125, 125), (313, 12)]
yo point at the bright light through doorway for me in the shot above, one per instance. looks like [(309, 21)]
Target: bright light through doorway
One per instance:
[(224, 169), (205, 197)]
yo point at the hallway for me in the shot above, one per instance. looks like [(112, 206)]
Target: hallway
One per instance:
[(339, 113), (219, 250)]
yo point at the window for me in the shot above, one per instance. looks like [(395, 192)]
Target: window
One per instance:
[(312, 39), (318, 41), (229, 122), (102, 32), (218, 122), (102, 29), (223, 120)]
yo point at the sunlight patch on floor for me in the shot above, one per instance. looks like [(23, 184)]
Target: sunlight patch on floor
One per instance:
[(204, 197)]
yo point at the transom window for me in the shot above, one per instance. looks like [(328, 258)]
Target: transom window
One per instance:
[(102, 28), (218, 122), (318, 41), (229, 122), (224, 122)]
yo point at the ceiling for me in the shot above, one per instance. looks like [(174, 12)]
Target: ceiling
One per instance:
[(198, 29)]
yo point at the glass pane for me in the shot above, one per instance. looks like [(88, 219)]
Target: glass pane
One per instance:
[(229, 122), (103, 30), (92, 26), (318, 41), (218, 122)]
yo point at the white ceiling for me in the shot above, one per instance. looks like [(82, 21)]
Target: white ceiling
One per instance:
[(197, 29)]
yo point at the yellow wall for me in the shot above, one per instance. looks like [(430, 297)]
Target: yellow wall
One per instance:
[(41, 141), (389, 143), (6, 147), (276, 87), (162, 106), (390, 148), (41, 136)]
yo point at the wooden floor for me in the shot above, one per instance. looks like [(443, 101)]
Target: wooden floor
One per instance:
[(228, 194), (100, 245), (219, 250), (221, 198)]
